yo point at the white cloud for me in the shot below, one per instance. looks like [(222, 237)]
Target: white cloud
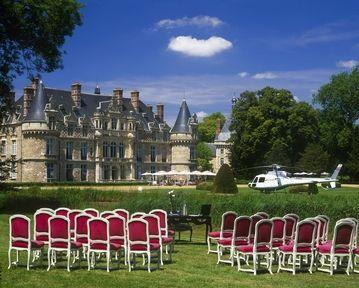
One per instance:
[(199, 21), (201, 114), (265, 75), (348, 64), (243, 74), (194, 47)]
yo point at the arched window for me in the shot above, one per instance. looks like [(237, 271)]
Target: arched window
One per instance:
[(113, 150), (105, 149)]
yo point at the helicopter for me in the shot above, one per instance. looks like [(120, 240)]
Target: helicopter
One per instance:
[(278, 179)]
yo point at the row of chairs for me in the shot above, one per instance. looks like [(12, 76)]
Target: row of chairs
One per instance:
[(284, 238), (85, 234)]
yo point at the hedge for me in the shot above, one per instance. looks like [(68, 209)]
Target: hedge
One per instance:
[(340, 203)]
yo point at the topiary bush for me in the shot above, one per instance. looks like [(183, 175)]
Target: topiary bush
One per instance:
[(207, 185), (224, 181)]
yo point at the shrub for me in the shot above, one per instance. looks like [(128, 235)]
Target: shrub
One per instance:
[(207, 185), (298, 189), (312, 189), (224, 181)]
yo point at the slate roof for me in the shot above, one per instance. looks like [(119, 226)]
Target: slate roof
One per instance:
[(225, 133), (182, 121), (90, 103)]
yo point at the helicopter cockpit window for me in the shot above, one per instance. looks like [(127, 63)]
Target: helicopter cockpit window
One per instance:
[(261, 179), (255, 180)]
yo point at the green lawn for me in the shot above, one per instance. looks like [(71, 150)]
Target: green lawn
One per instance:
[(192, 267)]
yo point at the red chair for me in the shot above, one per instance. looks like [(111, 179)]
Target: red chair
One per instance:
[(93, 212), (255, 219), (263, 214), (106, 214), (139, 243), (60, 241), (166, 233), (341, 246), (62, 211), (138, 215), (123, 213), (262, 246), (41, 225), (52, 211), (81, 230), (226, 231), (118, 233), (303, 245), (20, 240), (325, 220), (99, 242), (278, 232), (290, 226), (240, 236), (72, 215), (295, 216)]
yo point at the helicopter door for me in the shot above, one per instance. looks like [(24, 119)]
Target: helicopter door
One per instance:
[(254, 182)]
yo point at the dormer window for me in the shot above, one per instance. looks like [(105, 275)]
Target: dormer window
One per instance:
[(70, 129), (52, 123), (114, 124), (85, 131)]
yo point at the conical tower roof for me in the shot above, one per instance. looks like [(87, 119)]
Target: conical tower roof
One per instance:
[(36, 113), (182, 121)]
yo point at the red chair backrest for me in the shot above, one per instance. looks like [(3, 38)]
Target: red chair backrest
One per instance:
[(62, 212), (290, 226), (81, 222), (263, 214), (72, 216), (107, 214), (278, 228), (123, 213), (242, 228), (263, 232), (117, 227), (343, 234), (138, 231), (98, 230), (154, 229), (20, 228), (228, 221), (255, 219), (41, 225), (59, 227), (305, 233), (295, 216), (92, 212)]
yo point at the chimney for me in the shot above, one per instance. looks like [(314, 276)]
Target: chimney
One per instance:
[(76, 94), (160, 112), (149, 109), (218, 126), (35, 82), (135, 99), (28, 95), (118, 96)]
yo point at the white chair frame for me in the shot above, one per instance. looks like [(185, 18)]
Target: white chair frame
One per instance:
[(38, 233), (124, 238)]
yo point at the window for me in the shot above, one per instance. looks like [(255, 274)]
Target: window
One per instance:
[(70, 129), (3, 147), (13, 171), (52, 123), (192, 153), (261, 179), (50, 146), (222, 150), (164, 155), (153, 153), (69, 174), (105, 147), (122, 126), (113, 150), (96, 123), (104, 125), (85, 130), (83, 151), (14, 147), (114, 124), (69, 150), (121, 151), (221, 161), (83, 172), (114, 173), (50, 172), (106, 172), (153, 169)]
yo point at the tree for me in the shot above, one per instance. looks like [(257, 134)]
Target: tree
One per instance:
[(204, 157), (32, 34), (339, 103), (314, 159), (207, 128), (270, 127), (224, 181)]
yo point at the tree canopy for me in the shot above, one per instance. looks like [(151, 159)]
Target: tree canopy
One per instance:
[(32, 34), (207, 128), (204, 157)]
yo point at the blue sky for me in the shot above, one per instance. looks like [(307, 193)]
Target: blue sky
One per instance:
[(208, 51)]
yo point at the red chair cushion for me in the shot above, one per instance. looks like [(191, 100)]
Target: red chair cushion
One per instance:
[(228, 242), (118, 241), (165, 240), (325, 249), (141, 247), (101, 246), (171, 232), (217, 234), (24, 244), (42, 238), (249, 248), (83, 240), (74, 245), (289, 248), (356, 251), (277, 243)]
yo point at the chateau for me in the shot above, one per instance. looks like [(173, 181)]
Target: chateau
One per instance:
[(57, 135)]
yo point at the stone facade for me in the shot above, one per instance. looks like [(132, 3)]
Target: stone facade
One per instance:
[(57, 135)]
